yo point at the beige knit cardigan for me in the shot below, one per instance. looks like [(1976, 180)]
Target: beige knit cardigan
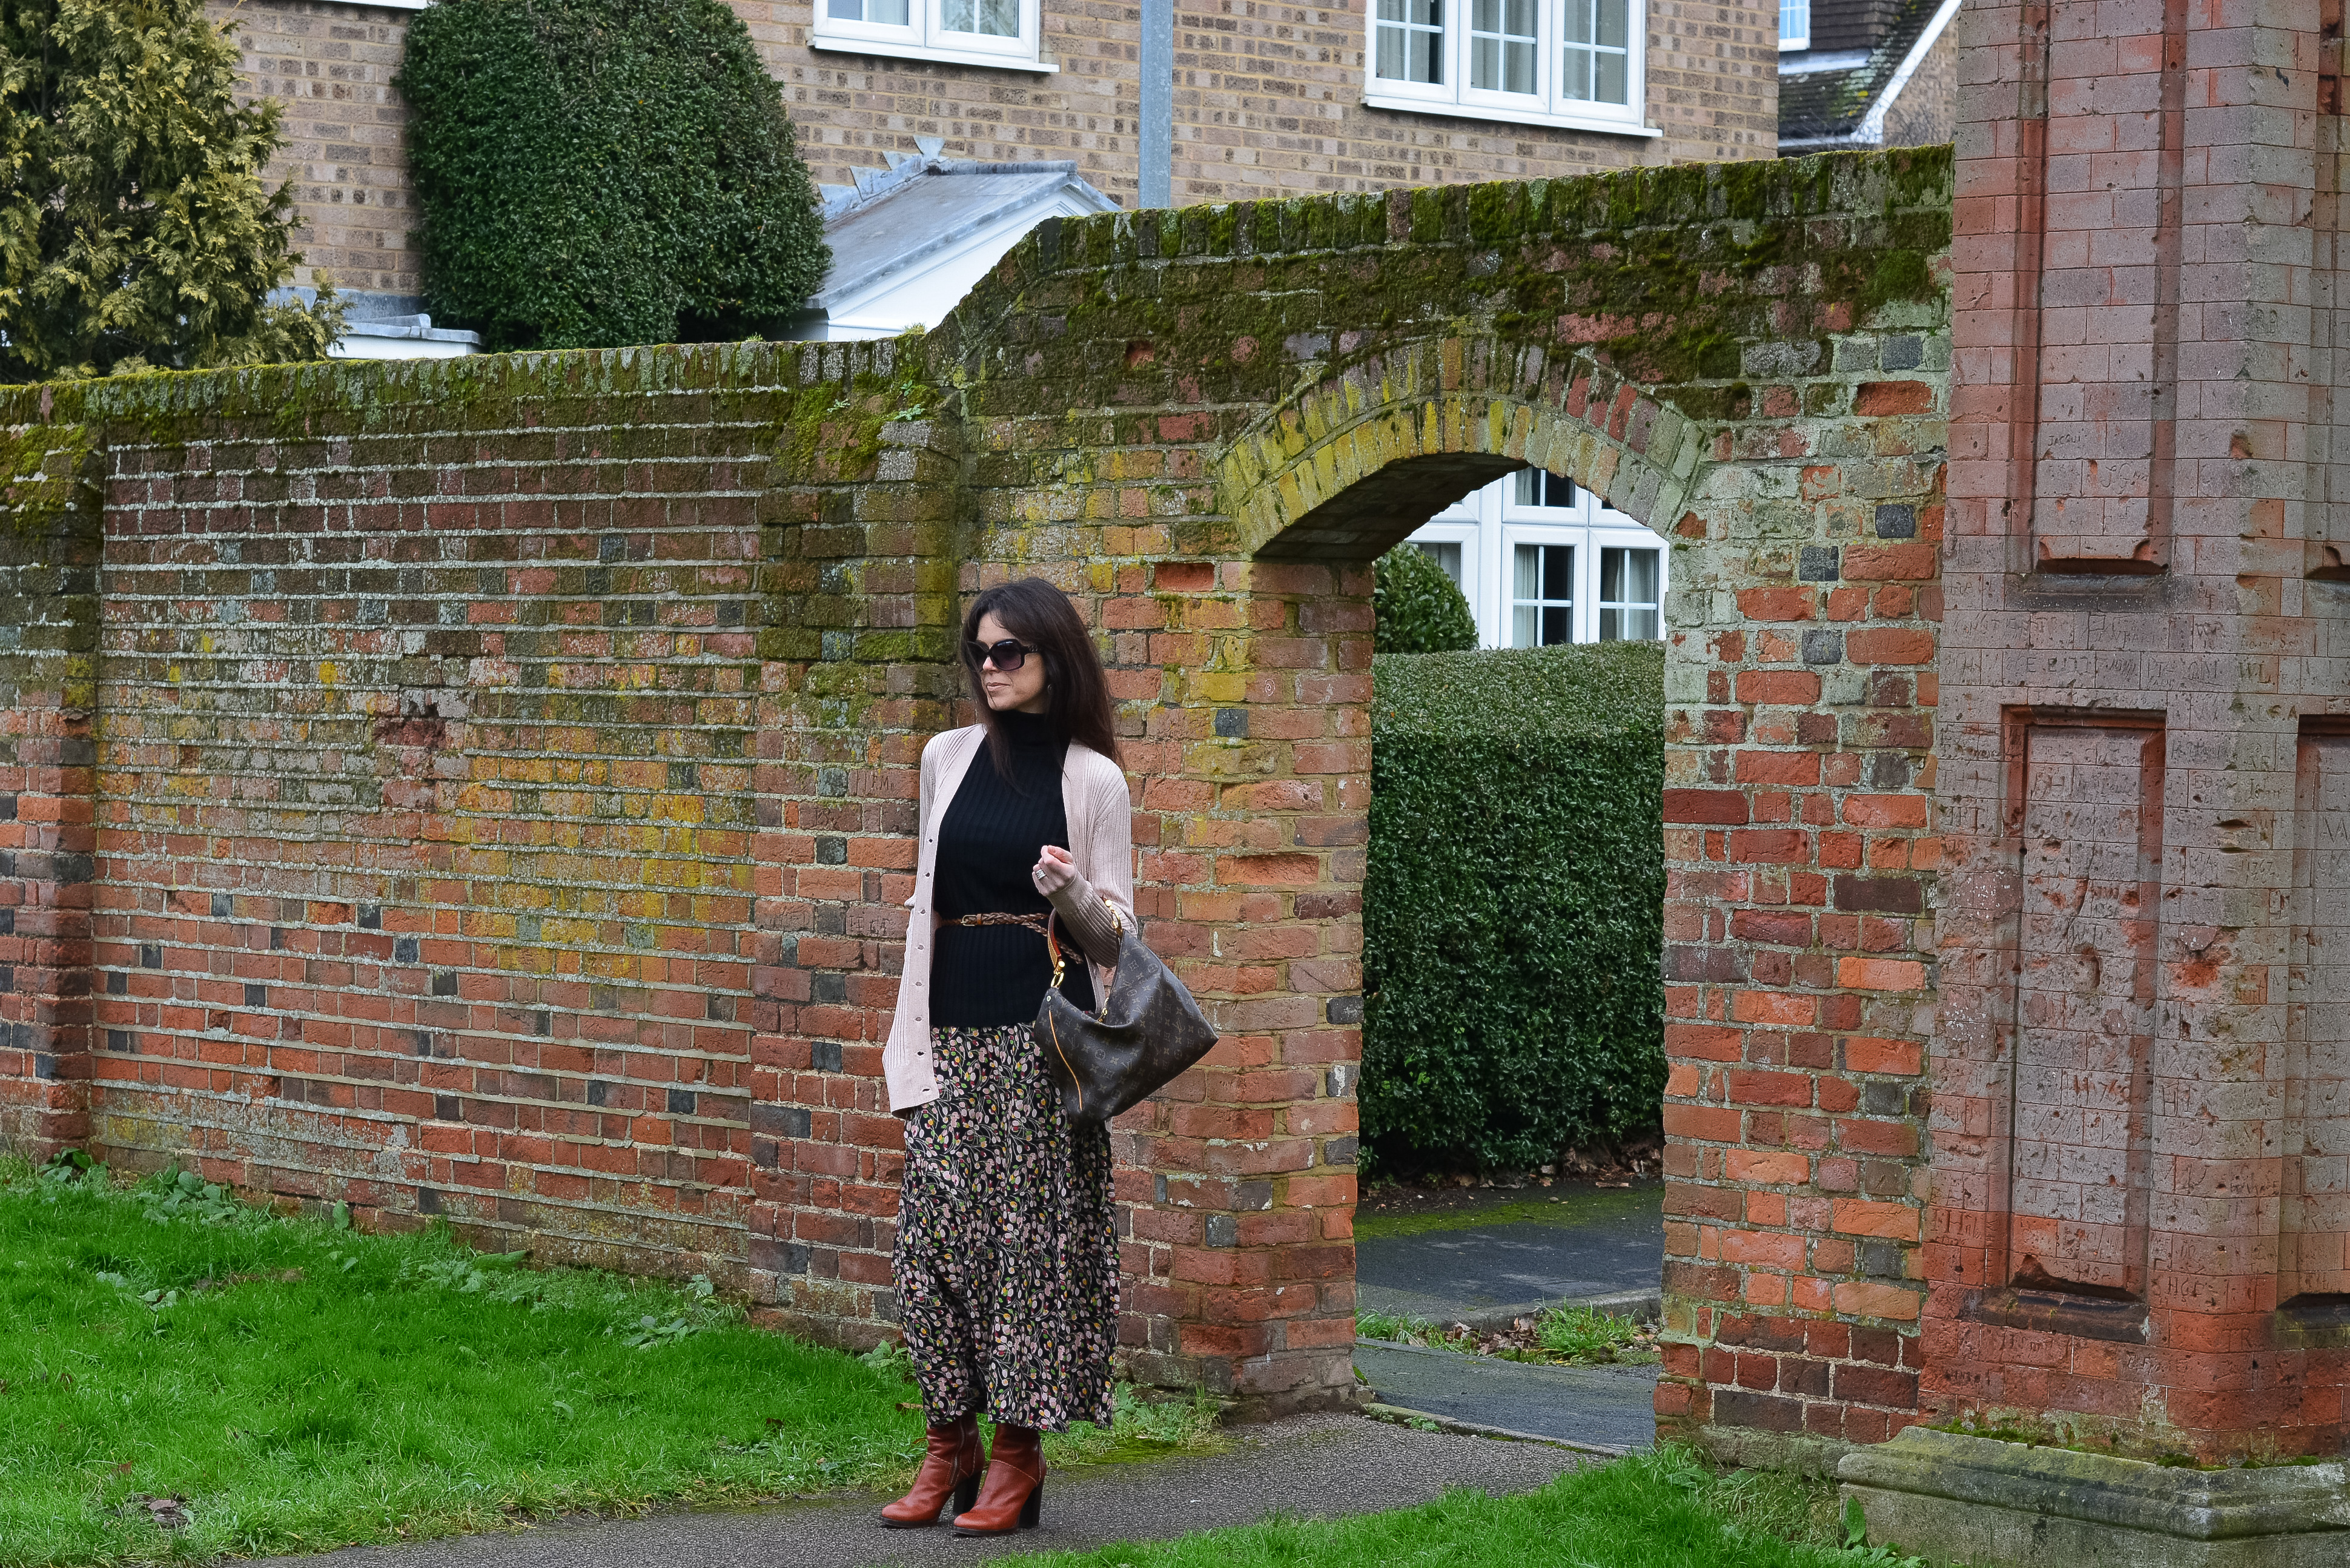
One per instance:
[(1101, 843)]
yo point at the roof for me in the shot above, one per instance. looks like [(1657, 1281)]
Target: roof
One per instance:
[(924, 207), (1838, 97)]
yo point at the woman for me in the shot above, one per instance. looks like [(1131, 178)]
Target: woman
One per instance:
[(1006, 1263)]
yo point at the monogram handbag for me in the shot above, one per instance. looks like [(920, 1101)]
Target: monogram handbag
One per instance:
[(1147, 1031)]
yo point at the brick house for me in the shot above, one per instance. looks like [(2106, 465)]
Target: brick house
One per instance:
[(1266, 101)]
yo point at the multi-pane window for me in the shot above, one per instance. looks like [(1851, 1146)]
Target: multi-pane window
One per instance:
[(1542, 560), (1627, 596), (1410, 44), (1501, 44), (1542, 595), (978, 32), (1794, 24), (1569, 61), (1598, 52)]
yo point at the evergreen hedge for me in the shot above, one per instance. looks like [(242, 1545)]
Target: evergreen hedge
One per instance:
[(600, 172), (1513, 915), (1419, 608)]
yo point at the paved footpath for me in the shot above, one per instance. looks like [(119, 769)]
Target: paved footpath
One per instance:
[(1605, 1406), (1505, 1254), (1320, 1467)]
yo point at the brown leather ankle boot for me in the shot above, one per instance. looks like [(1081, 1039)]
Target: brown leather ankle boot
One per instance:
[(949, 1471), (1013, 1497)]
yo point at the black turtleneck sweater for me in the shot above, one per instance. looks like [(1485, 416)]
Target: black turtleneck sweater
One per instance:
[(994, 830)]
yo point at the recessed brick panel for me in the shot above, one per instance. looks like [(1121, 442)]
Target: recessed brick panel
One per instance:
[(2088, 812)]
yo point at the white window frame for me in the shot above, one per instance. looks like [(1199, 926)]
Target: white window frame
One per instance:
[(1462, 536), (1626, 539), (1790, 41), (1544, 106), (1557, 537), (925, 37), (1489, 525)]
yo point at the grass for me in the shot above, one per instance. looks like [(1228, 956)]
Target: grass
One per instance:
[(1670, 1509), (1560, 1335), (1571, 1208), (298, 1386), (1579, 1334)]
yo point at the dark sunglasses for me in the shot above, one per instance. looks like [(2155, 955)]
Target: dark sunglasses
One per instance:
[(1007, 656)]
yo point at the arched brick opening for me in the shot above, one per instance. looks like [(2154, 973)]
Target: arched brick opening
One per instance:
[(1411, 429)]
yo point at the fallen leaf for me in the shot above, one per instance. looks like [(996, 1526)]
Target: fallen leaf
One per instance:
[(910, 1404)]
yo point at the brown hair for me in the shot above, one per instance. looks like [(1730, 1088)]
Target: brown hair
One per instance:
[(1077, 688)]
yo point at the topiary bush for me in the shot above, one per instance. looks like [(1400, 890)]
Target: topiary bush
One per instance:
[(600, 172), (1512, 913), (1419, 608)]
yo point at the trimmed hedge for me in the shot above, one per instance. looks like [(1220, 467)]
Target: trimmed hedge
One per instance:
[(1419, 608), (594, 173), (1513, 914)]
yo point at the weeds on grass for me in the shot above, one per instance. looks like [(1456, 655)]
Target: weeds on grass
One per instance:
[(1142, 1427), (1579, 1334), (1574, 1336)]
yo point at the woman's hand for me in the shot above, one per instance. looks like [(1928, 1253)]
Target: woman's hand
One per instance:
[(1054, 870)]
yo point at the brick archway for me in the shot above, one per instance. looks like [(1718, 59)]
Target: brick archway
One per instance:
[(1407, 431)]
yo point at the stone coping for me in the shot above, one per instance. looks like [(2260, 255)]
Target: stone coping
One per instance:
[(2101, 1489)]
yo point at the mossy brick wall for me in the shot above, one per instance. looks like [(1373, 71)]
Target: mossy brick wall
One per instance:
[(506, 768)]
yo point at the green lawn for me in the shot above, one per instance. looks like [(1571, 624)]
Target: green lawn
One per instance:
[(299, 1385), (304, 1386), (1666, 1509)]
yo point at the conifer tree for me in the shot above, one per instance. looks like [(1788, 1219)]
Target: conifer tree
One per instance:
[(136, 232)]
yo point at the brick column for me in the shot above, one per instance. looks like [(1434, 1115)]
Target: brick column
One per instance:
[(48, 642), (2132, 1117), (1239, 1180)]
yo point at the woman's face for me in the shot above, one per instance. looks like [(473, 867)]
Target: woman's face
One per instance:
[(1021, 689)]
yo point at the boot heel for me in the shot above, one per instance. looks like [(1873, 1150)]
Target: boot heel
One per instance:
[(1032, 1510), (966, 1497)]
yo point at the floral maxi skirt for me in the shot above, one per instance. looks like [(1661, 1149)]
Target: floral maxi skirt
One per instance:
[(1006, 1260)]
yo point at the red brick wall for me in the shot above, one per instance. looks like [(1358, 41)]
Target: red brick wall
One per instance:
[(504, 768)]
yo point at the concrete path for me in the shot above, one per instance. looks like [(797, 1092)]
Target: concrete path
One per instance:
[(1609, 1406), (1320, 1467), (1505, 1254)]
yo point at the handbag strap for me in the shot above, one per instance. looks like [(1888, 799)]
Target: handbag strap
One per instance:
[(1053, 947)]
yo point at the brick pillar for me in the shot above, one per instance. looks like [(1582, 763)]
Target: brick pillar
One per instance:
[(2133, 1237), (1239, 1180), (49, 643)]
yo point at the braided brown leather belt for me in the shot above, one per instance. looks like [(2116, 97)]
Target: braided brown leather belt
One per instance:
[(1034, 922)]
